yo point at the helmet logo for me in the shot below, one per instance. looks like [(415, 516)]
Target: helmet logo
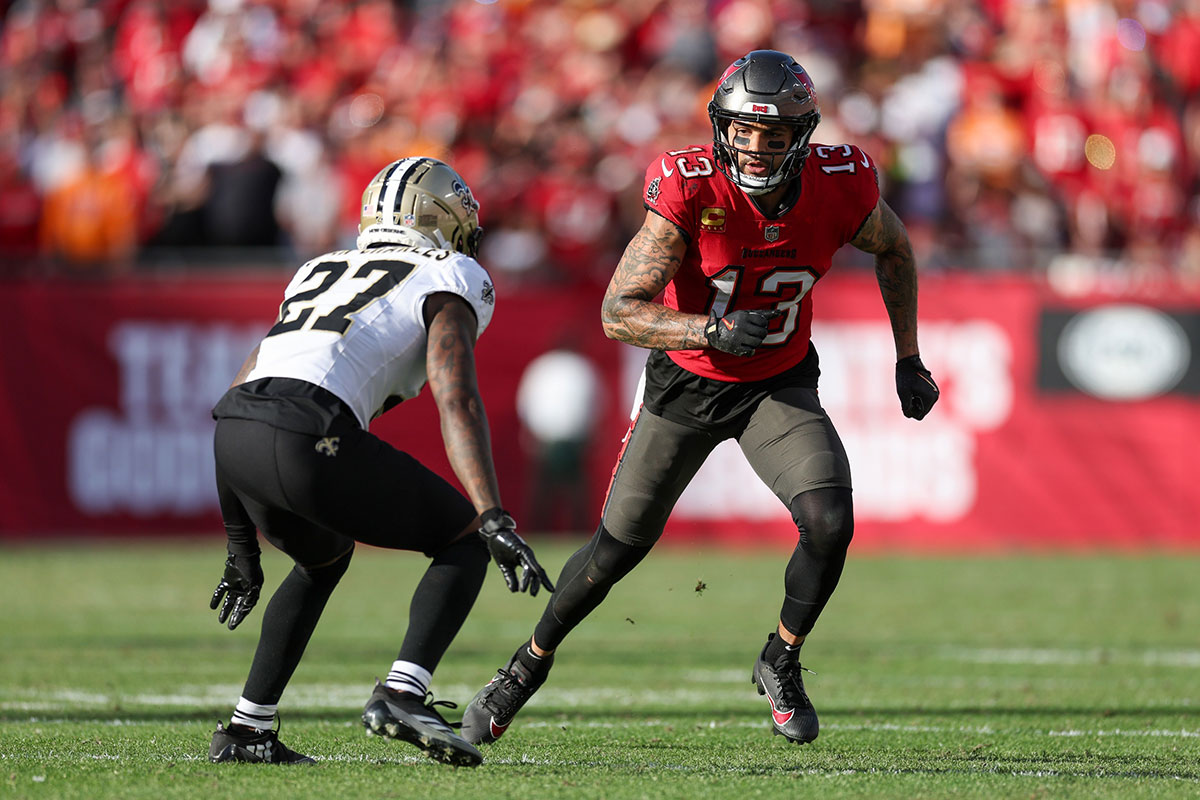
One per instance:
[(410, 220), (464, 194), (760, 108), (732, 68), (771, 233)]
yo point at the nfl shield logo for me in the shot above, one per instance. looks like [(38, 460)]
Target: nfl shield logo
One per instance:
[(771, 233)]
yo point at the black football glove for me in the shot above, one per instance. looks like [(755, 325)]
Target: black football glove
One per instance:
[(510, 551), (916, 387), (739, 332), (240, 586)]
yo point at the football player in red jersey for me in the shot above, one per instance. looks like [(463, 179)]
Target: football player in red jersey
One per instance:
[(737, 233)]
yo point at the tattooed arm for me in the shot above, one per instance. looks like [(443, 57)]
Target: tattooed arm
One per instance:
[(450, 366), (883, 234), (247, 366), (629, 313)]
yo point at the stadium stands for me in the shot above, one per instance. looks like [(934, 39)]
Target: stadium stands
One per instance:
[(1011, 135)]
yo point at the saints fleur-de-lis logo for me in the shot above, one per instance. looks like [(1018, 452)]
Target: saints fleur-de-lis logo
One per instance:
[(328, 446)]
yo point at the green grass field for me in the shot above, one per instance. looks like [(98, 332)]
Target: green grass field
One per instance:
[(1014, 677)]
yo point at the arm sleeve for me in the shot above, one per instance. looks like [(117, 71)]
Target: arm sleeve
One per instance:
[(240, 532)]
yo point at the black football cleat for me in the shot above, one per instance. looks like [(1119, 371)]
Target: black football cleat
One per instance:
[(236, 744), (491, 711), (412, 719), (792, 715)]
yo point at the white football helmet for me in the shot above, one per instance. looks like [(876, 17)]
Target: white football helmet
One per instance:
[(423, 202)]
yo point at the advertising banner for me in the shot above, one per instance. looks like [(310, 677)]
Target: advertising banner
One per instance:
[(105, 422), (1065, 420), (1015, 454)]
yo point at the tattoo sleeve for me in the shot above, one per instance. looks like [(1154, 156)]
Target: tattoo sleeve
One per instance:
[(450, 367), (629, 313), (883, 234)]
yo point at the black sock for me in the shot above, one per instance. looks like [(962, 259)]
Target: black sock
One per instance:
[(530, 660), (777, 648)]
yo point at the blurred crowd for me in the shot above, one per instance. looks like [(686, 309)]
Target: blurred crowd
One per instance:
[(1010, 134)]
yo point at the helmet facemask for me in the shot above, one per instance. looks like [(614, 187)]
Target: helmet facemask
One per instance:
[(785, 165), (421, 202)]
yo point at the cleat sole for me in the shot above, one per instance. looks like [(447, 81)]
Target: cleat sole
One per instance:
[(442, 751)]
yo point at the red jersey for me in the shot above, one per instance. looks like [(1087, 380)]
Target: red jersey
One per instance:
[(737, 258)]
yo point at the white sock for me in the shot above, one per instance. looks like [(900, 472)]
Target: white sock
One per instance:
[(405, 676), (253, 715)]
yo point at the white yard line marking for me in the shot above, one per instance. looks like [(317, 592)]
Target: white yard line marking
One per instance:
[(1187, 659), (758, 724), (526, 760)]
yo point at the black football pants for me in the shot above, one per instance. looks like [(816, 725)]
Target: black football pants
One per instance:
[(313, 497), (793, 448)]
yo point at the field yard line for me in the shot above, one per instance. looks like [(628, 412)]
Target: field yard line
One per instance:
[(348, 696), (526, 760), (650, 722), (1183, 734), (755, 770), (1188, 659)]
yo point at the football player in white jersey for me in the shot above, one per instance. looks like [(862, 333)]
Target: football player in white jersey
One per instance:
[(358, 332)]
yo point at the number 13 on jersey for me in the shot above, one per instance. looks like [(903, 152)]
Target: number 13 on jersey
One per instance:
[(789, 285)]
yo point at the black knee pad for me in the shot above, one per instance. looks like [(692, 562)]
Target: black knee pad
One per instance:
[(825, 519), (584, 583), (329, 574), (469, 546), (611, 559)]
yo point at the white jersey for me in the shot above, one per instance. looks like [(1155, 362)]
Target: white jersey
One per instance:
[(352, 322)]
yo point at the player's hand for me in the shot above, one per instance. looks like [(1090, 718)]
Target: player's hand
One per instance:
[(240, 586), (916, 387), (739, 332), (510, 551)]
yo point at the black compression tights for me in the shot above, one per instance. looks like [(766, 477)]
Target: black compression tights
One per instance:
[(583, 584), (443, 600), (287, 625), (825, 520)]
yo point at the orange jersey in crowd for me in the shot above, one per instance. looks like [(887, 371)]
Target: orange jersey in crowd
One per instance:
[(91, 217)]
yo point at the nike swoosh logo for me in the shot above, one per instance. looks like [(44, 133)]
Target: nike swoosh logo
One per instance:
[(777, 715), (498, 730), (667, 171), (866, 163), (728, 324)]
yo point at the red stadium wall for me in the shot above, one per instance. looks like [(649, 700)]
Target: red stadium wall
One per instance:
[(1064, 421)]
